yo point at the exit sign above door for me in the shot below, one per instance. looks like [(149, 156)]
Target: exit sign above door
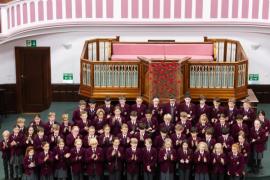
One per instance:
[(253, 77), (31, 43)]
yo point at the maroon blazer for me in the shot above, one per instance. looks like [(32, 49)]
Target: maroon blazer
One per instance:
[(35, 126), (231, 114), (46, 166), (190, 110), (38, 143), (149, 158), (200, 165), (266, 125), (65, 130), (26, 162), (203, 110), (193, 142), (133, 127), (177, 140), (125, 110), (91, 114), (218, 128), (245, 150), (187, 126), (76, 116), (82, 125), (5, 148), (108, 110), (140, 110), (116, 124), (70, 139), (98, 124), (62, 161), (115, 162), (105, 141), (159, 141), (201, 129), (251, 114), (215, 113), (181, 155), (133, 164), (217, 167), (168, 164), (235, 164), (173, 110), (86, 140), (141, 140), (124, 141), (157, 112), (53, 140), (236, 129), (260, 139), (48, 128), (229, 141), (169, 128), (18, 148), (94, 166), (211, 143), (152, 123), (76, 159)]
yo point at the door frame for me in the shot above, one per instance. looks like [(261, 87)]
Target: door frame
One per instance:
[(18, 60)]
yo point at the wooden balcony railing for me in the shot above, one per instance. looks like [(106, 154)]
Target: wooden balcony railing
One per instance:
[(225, 77)]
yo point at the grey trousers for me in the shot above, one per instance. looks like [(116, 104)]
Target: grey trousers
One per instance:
[(166, 176), (77, 176), (147, 176), (116, 175), (184, 174), (94, 177), (234, 177), (201, 176), (132, 176), (219, 176)]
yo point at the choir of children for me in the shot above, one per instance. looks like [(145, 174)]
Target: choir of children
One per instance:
[(167, 141)]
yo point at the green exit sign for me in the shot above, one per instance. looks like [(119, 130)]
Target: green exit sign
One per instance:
[(31, 43), (68, 78), (253, 77)]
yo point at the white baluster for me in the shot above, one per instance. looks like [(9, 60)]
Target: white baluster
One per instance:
[(250, 7), (36, 10), (183, 9), (260, 12), (230, 4), (193, 10), (151, 8), (104, 8), (73, 9), (240, 4)]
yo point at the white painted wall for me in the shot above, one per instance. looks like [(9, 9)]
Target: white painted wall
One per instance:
[(68, 60)]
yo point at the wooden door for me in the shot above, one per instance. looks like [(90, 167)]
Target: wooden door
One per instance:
[(33, 71)]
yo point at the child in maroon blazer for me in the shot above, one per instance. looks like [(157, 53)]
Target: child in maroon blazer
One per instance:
[(125, 108), (203, 108), (133, 158), (45, 161), (99, 121), (21, 123), (92, 110), (94, 158), (166, 158), (29, 137), (218, 162), (115, 157), (55, 136), (156, 109), (15, 143), (184, 160), (37, 122), (239, 126), (188, 107), (235, 163), (222, 123), (209, 139), (133, 123), (258, 140), (159, 139), (124, 136), (141, 135), (149, 159), (201, 160), (29, 164), (76, 159), (216, 110), (231, 111), (91, 134), (244, 146), (108, 107), (139, 107), (193, 140), (226, 140), (178, 137), (65, 127), (167, 124), (265, 124), (51, 121), (83, 124), (105, 140), (61, 157), (77, 113), (116, 121), (202, 125), (185, 123), (5, 148), (70, 139), (150, 122), (38, 139), (248, 113)]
